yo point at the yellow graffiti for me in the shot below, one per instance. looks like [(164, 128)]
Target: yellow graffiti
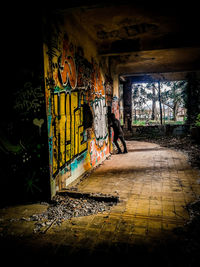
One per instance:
[(55, 133), (68, 129), (62, 121)]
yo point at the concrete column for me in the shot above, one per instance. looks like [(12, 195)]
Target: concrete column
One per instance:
[(115, 99), (127, 96), (116, 86)]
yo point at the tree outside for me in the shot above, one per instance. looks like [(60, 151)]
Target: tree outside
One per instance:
[(158, 102)]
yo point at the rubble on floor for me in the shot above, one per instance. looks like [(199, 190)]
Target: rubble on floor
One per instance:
[(66, 207)]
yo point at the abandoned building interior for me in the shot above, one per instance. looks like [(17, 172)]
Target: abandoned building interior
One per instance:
[(69, 68)]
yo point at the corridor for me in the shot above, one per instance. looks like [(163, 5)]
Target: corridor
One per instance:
[(153, 184), (78, 63)]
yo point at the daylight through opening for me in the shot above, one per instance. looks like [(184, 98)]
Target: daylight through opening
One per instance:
[(158, 102)]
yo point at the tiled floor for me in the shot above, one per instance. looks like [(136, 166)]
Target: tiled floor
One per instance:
[(153, 184)]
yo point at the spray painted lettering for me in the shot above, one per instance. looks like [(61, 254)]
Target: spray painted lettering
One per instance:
[(67, 67), (72, 84), (100, 121), (68, 131), (97, 82)]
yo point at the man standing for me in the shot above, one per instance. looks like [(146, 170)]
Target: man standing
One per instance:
[(118, 133)]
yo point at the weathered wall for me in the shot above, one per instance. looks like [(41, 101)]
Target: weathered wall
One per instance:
[(77, 97), (158, 130), (24, 164)]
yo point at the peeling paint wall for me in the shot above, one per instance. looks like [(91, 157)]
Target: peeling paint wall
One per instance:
[(76, 105)]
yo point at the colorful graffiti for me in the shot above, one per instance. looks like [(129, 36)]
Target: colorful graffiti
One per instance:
[(84, 71), (76, 100), (97, 86), (96, 153), (66, 65), (100, 121), (69, 139)]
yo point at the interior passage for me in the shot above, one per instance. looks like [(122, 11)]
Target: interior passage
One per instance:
[(153, 184)]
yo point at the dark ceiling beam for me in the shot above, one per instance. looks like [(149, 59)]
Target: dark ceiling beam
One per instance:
[(137, 52), (155, 76), (128, 47)]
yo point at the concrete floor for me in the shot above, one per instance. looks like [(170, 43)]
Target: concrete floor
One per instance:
[(153, 184)]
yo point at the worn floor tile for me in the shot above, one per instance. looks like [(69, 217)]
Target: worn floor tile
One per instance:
[(153, 186)]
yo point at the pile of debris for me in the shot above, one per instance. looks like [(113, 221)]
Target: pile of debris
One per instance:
[(65, 207)]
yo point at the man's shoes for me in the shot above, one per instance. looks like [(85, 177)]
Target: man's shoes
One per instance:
[(119, 152), (125, 151)]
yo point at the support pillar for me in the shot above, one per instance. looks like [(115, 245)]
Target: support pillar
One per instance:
[(127, 96), (115, 99)]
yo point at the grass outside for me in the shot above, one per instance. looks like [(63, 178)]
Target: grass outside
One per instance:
[(153, 122)]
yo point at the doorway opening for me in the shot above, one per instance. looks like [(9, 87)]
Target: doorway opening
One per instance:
[(158, 102)]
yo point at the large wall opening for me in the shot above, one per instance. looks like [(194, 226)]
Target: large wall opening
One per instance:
[(158, 102)]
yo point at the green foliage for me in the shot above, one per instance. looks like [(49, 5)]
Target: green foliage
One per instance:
[(139, 123), (146, 97), (191, 96), (32, 183), (139, 96), (175, 122), (153, 122), (173, 93), (198, 121)]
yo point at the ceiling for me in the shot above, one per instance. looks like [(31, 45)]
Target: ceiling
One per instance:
[(142, 37)]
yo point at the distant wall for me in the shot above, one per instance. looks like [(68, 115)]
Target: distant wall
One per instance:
[(159, 130), (76, 102)]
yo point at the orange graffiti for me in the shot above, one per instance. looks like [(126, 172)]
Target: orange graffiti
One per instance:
[(67, 67), (97, 81), (96, 153)]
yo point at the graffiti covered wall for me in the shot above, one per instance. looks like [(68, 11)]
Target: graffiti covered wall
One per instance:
[(76, 110)]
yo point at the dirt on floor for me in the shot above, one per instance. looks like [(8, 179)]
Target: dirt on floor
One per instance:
[(180, 143)]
